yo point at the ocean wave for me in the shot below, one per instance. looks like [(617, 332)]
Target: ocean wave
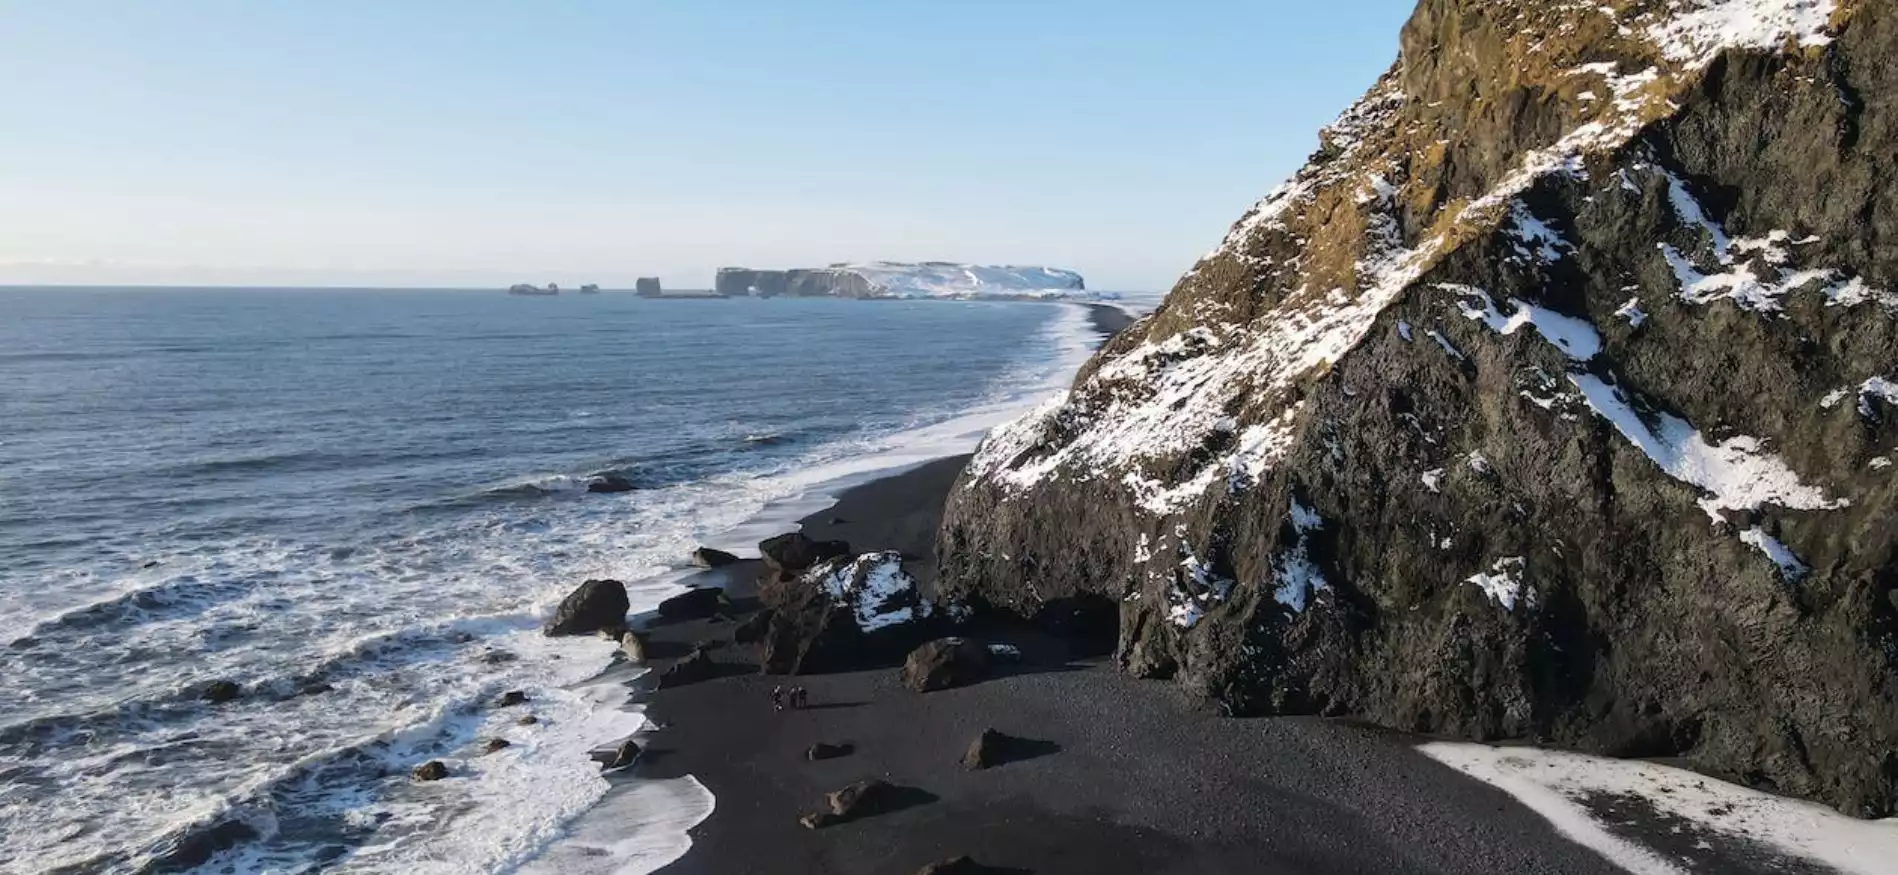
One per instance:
[(164, 599)]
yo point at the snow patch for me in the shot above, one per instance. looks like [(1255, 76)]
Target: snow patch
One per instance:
[(1559, 786), (1695, 37), (1789, 565), (1575, 337), (880, 593), (1503, 582), (1296, 579), (1737, 473), (1631, 311)]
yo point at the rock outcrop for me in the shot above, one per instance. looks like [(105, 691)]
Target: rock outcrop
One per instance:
[(707, 557), (945, 663), (893, 279), (796, 551), (842, 614), (693, 604), (596, 606), (1553, 399)]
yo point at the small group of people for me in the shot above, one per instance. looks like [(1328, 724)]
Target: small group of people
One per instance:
[(783, 697)]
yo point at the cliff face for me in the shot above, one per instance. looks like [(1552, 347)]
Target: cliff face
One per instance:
[(890, 279), (1556, 398)]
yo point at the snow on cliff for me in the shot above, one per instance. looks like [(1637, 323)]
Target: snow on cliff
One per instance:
[(939, 279)]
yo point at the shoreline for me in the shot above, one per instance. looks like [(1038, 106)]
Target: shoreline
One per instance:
[(1118, 774), (1129, 775)]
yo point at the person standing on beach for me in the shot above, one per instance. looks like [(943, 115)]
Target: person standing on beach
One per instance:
[(777, 698)]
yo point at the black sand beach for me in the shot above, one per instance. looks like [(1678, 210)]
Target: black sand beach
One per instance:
[(1117, 775), (1128, 776)]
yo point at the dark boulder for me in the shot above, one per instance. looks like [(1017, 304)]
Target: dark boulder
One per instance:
[(864, 798), (963, 865), (824, 750), (511, 698), (633, 645), (695, 667), (985, 751), (841, 615), (433, 770), (596, 606), (693, 604), (610, 483), (945, 663), (220, 691), (495, 744), (619, 757), (706, 557), (527, 720), (797, 551)]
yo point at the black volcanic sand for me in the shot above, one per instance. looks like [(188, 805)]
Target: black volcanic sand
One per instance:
[(1108, 319), (1120, 775)]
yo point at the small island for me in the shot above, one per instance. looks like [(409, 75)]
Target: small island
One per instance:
[(533, 290)]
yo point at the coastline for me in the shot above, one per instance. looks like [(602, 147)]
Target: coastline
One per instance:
[(1129, 775)]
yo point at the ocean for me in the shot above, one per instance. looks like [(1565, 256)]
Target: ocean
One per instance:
[(360, 505)]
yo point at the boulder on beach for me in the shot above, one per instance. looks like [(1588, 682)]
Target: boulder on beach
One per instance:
[(862, 799), (693, 604), (706, 557), (495, 744), (824, 750), (596, 606), (610, 483), (963, 865), (842, 614), (619, 757), (433, 770), (991, 748), (511, 698), (945, 663), (796, 551), (633, 645), (220, 691), (698, 666)]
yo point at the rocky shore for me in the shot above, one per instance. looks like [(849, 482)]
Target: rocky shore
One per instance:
[(1096, 772)]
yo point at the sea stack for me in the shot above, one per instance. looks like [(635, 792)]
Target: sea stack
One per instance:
[(647, 287), (1553, 399)]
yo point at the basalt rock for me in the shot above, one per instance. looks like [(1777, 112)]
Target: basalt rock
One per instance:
[(693, 604), (596, 606), (843, 614), (706, 557), (433, 770), (221, 691), (796, 551), (945, 663), (610, 484), (1556, 398), (826, 751), (511, 698)]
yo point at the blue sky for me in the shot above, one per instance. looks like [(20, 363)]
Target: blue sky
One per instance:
[(482, 143)]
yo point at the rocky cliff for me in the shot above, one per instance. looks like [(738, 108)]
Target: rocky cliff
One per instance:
[(1554, 399), (894, 279)]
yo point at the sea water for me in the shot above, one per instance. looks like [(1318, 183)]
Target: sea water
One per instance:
[(361, 505)]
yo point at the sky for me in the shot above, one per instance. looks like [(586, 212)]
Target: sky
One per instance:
[(470, 143)]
